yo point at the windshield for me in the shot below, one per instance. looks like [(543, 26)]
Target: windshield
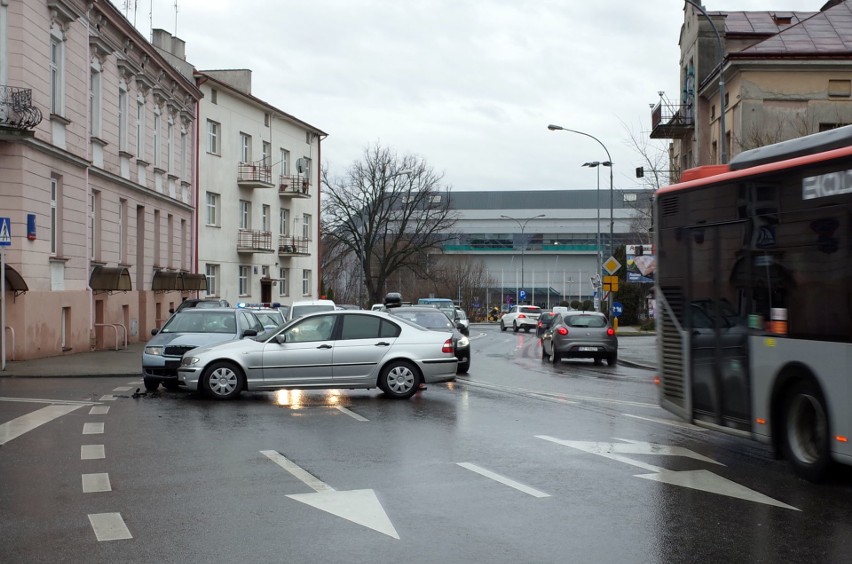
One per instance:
[(195, 321), (269, 318), (436, 320), (300, 310)]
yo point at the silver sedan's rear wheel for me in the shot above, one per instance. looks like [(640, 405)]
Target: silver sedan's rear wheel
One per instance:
[(399, 379), (222, 380)]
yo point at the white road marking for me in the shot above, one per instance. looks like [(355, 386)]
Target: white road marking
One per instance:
[(702, 480), (122, 389), (20, 425), (93, 483), (565, 398), (92, 452), (351, 414), (93, 428), (109, 526), (134, 383), (51, 401), (99, 410), (358, 506), (108, 397), (502, 479), (671, 422)]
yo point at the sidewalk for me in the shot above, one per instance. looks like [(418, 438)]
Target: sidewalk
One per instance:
[(122, 362)]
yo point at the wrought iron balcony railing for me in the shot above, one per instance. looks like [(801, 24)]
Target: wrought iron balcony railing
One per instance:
[(294, 186), (254, 175), (289, 245), (670, 120), (254, 241), (16, 108)]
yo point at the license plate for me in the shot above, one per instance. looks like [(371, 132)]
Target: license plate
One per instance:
[(589, 349)]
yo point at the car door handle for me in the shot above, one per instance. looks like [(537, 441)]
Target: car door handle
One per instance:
[(382, 344), (324, 346)]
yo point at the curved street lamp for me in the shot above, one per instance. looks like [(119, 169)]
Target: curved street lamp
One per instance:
[(522, 223), (596, 165)]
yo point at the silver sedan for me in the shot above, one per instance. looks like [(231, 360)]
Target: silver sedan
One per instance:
[(336, 349)]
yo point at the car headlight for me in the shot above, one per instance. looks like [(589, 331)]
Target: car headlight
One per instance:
[(154, 351), (189, 360), (463, 342)]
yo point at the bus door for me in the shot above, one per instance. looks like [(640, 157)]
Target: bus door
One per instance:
[(716, 327)]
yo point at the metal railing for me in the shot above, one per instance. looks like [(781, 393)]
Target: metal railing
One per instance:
[(290, 245), (16, 108), (254, 172), (254, 240), (293, 185)]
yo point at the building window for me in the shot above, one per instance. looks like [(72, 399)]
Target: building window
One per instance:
[(245, 214), (170, 238), (212, 273), (213, 137), (245, 148), (57, 71), (122, 116), (140, 127), (285, 162), (170, 159), (122, 231), (214, 96), (267, 153), (157, 238), (306, 226), (283, 282), (245, 272), (306, 282), (183, 153), (266, 119), (94, 223), (156, 135), (212, 209), (184, 240), (283, 215), (95, 99), (55, 230), (264, 218)]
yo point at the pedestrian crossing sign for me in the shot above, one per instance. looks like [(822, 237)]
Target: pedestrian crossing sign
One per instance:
[(5, 232)]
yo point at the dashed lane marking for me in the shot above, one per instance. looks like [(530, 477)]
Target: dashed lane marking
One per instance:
[(122, 389), (108, 397), (679, 424), (109, 526), (94, 483), (20, 425), (351, 414), (92, 452), (93, 428), (99, 410), (502, 479), (50, 401)]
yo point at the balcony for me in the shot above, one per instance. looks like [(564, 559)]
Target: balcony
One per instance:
[(671, 121), (254, 241), (294, 187), (289, 246), (16, 108), (254, 175)]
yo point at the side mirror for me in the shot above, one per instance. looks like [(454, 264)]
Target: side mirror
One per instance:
[(282, 338), (171, 310), (154, 332), (249, 333)]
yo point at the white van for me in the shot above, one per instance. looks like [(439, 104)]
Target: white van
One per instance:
[(298, 309)]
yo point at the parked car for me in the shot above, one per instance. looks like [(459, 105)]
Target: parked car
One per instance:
[(186, 330), (436, 320), (298, 309), (544, 321), (333, 349), (348, 306), (463, 322), (580, 334), (521, 317), (206, 302), (270, 317)]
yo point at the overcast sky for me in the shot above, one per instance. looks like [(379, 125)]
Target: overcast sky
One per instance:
[(468, 85)]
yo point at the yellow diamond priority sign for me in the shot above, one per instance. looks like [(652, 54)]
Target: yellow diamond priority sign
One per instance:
[(611, 265)]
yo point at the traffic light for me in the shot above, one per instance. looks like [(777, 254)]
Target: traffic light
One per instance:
[(640, 171)]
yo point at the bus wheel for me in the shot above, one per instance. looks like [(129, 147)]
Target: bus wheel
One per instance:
[(806, 433)]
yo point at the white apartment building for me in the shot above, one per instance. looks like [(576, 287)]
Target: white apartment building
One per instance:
[(97, 158), (258, 228)]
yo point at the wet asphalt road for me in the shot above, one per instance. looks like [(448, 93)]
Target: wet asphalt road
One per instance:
[(519, 461)]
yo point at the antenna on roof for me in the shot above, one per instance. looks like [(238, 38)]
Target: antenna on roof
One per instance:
[(176, 16)]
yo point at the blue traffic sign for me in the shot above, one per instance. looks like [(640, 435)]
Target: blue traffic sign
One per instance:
[(522, 294), (617, 309), (5, 232)]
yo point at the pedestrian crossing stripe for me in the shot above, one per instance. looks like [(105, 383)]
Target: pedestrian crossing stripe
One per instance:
[(5, 231)]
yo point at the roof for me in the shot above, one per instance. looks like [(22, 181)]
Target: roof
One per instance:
[(541, 199), (760, 23), (824, 33)]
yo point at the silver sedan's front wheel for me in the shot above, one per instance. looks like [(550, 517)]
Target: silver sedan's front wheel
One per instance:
[(222, 380), (399, 379)]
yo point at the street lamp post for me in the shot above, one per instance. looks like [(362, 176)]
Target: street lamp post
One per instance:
[(522, 223), (552, 127), (596, 165)]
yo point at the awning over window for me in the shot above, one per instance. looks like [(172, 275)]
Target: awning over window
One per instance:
[(106, 279), (174, 281), (14, 281)]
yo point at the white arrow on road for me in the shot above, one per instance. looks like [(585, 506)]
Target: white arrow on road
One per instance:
[(359, 506), (703, 480)]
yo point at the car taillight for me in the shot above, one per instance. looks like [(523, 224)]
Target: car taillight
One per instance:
[(609, 331), (521, 316), (562, 331), (539, 324), (448, 346)]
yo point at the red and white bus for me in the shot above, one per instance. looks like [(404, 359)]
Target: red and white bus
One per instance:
[(754, 298)]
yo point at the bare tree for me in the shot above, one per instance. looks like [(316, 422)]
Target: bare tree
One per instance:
[(388, 212), (656, 173)]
